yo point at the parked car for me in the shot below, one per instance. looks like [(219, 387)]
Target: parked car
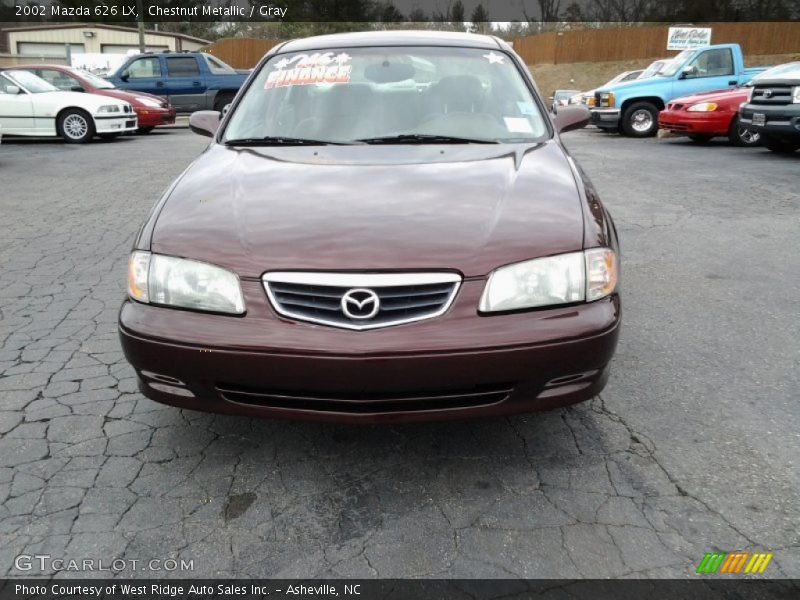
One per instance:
[(151, 111), (31, 106), (189, 81), (708, 115), (561, 98), (587, 97), (633, 106), (773, 109), (349, 249)]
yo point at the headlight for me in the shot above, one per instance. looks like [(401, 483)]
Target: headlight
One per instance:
[(148, 102), (563, 279), (184, 283), (703, 107), (796, 94), (607, 99), (591, 101), (109, 108)]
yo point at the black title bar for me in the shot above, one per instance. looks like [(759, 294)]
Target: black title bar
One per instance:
[(525, 11), (392, 589)]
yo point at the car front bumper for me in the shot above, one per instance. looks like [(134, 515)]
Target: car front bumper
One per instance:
[(682, 122), (606, 118), (115, 124), (458, 365), (782, 120), (153, 117)]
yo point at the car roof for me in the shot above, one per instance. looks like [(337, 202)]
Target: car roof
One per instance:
[(390, 38), (37, 66)]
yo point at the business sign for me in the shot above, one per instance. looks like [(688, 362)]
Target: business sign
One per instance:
[(681, 38)]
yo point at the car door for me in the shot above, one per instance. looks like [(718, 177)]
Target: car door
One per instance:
[(186, 87), (16, 109), (712, 69), (146, 75)]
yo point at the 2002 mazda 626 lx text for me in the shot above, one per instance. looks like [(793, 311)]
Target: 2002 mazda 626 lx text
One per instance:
[(385, 227)]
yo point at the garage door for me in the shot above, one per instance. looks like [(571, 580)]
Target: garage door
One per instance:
[(42, 49)]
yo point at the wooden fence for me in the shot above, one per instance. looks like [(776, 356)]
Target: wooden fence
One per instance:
[(241, 53), (626, 43)]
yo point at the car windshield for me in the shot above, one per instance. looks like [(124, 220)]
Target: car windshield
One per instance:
[(98, 82), (787, 71), (413, 94), (655, 69), (29, 81), (676, 63)]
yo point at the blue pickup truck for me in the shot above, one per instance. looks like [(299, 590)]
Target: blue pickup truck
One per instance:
[(189, 81), (633, 107)]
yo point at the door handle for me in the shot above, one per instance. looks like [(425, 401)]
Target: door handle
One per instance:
[(195, 83), (159, 84), (733, 82)]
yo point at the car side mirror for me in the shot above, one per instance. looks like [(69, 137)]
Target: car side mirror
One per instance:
[(204, 122), (687, 71), (13, 90), (571, 117), (125, 75), (77, 88)]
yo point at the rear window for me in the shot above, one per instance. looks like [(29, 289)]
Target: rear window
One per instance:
[(356, 93)]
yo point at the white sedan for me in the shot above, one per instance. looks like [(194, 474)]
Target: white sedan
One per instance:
[(31, 106)]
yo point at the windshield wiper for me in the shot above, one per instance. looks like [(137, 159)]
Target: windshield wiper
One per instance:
[(270, 140), (423, 138)]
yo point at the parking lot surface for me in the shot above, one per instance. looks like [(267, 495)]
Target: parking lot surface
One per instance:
[(691, 448)]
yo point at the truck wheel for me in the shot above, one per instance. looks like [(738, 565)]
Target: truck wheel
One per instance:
[(221, 100), (700, 139), (742, 136), (75, 126), (640, 119), (778, 145)]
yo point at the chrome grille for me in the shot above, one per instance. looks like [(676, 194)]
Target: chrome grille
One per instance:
[(772, 94), (361, 300)]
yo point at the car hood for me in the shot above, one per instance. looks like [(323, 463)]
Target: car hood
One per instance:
[(470, 208), (740, 94), (128, 97), (632, 84), (85, 100)]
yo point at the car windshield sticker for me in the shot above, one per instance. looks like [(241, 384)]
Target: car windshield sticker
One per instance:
[(526, 108), (518, 125), (494, 58), (305, 69)]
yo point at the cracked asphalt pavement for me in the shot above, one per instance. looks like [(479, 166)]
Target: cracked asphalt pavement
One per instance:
[(691, 448)]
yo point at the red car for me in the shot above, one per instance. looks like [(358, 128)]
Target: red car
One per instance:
[(150, 110), (414, 244), (707, 115)]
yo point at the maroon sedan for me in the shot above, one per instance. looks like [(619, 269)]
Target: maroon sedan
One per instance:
[(386, 227), (150, 110)]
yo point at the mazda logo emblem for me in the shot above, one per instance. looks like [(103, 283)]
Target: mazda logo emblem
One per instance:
[(360, 304)]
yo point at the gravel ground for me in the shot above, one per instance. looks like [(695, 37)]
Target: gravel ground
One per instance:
[(691, 448)]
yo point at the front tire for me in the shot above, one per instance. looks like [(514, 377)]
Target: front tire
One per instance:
[(739, 135), (75, 126), (778, 145), (640, 120)]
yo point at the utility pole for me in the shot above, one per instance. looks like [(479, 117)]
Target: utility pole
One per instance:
[(140, 12)]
